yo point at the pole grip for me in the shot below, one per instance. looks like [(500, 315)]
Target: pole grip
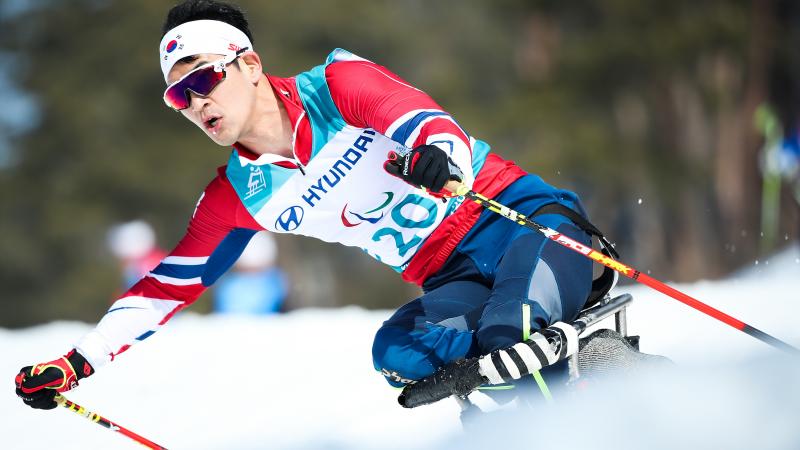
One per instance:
[(456, 187)]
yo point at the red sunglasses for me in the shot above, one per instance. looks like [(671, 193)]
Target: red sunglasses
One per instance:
[(201, 81)]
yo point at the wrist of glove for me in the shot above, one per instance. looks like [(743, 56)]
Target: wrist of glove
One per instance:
[(425, 166), (38, 385)]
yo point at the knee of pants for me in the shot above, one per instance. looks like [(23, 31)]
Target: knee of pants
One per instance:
[(395, 356), (503, 325), (403, 355)]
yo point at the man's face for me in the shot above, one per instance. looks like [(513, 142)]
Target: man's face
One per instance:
[(224, 114)]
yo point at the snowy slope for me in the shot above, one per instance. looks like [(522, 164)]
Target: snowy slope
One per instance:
[(305, 380)]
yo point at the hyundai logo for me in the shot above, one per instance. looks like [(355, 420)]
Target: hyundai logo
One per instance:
[(290, 219)]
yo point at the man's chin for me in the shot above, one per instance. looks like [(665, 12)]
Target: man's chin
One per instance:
[(220, 139)]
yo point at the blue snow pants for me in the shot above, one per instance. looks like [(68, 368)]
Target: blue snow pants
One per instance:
[(502, 282)]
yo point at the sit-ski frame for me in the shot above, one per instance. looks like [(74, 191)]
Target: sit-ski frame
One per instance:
[(607, 306)]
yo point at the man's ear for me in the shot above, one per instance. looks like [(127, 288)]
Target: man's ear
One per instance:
[(250, 63)]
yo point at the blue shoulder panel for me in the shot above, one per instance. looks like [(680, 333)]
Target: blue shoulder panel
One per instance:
[(325, 118)]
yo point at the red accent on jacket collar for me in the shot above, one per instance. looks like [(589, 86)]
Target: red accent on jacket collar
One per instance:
[(285, 90)]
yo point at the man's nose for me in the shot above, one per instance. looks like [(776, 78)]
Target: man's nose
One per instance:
[(197, 102)]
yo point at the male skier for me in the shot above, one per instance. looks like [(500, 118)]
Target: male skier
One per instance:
[(346, 152)]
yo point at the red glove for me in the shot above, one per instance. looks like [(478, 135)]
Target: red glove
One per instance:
[(38, 385)]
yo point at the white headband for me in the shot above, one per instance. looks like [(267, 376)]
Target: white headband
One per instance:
[(200, 36)]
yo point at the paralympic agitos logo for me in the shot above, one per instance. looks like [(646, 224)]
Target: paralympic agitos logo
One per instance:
[(361, 218)]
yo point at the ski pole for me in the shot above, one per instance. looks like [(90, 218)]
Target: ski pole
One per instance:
[(102, 421), (492, 205)]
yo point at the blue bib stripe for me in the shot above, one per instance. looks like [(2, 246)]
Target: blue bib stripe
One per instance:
[(254, 184)]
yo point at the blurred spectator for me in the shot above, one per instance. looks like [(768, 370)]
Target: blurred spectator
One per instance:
[(789, 161), (254, 285), (779, 162), (134, 245)]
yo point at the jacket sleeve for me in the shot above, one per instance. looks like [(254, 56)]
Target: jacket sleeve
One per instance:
[(218, 231), (370, 96)]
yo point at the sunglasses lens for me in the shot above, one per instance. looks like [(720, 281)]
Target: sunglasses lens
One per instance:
[(176, 98), (202, 82)]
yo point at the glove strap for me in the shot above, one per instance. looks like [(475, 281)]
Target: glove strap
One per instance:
[(66, 365), (79, 364)]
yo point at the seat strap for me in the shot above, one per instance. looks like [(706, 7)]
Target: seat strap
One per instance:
[(602, 284)]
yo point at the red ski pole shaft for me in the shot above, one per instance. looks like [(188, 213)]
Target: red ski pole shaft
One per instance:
[(599, 257), (102, 421)]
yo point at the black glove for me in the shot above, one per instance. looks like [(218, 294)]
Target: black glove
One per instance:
[(425, 166), (456, 378), (38, 385)]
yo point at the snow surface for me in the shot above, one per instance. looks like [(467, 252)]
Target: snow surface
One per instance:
[(304, 380)]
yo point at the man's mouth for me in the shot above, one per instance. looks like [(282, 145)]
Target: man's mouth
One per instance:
[(212, 124)]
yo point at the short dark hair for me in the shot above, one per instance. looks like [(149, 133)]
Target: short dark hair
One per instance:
[(191, 10)]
